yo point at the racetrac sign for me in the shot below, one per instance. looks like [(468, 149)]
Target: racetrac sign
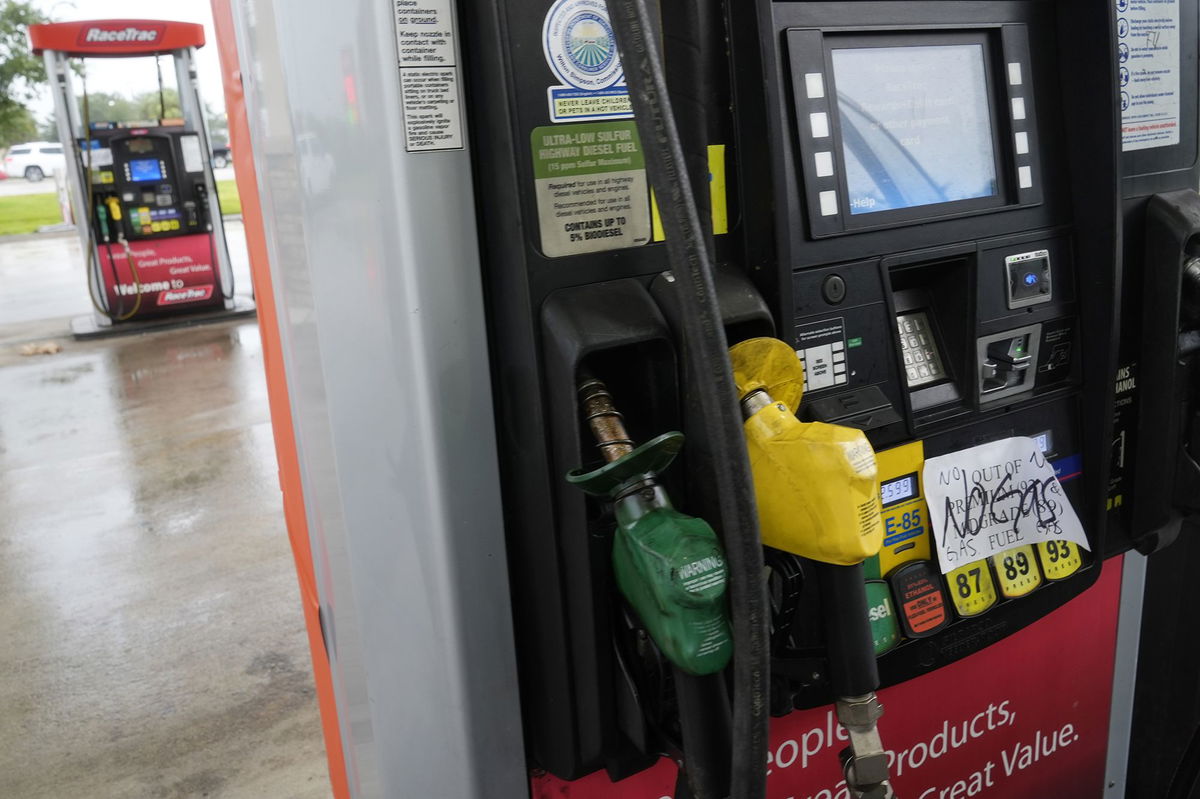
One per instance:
[(99, 33), (115, 37)]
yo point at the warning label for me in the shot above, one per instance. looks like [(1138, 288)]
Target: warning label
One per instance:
[(591, 187), (432, 120), (1148, 55), (425, 52), (425, 33)]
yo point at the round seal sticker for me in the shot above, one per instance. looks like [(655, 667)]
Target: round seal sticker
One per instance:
[(579, 45)]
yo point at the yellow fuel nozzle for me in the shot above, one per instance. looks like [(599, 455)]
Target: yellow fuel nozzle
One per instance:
[(114, 208), (816, 484)]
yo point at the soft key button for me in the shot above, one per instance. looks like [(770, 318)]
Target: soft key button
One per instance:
[(814, 85), (819, 122)]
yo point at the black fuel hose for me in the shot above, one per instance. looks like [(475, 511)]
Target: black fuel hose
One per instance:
[(706, 344)]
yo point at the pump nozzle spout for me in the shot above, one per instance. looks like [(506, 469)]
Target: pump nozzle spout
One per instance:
[(607, 424)]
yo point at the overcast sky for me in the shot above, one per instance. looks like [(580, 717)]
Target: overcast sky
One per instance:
[(131, 76)]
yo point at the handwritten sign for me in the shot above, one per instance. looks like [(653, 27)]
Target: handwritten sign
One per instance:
[(994, 497)]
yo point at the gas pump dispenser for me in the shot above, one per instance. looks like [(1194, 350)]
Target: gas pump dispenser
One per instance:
[(918, 199), (143, 193), (876, 263)]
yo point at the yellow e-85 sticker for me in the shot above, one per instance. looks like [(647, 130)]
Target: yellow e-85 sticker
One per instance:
[(905, 516), (1017, 571), (1059, 559), (971, 588)]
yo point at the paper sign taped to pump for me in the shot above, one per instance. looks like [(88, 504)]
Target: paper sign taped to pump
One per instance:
[(994, 497)]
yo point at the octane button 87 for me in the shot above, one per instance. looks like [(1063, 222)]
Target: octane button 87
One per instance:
[(971, 588)]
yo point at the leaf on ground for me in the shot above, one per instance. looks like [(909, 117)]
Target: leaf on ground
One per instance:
[(41, 348)]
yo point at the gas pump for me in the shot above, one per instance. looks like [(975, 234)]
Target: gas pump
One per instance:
[(143, 193), (867, 257), (918, 200)]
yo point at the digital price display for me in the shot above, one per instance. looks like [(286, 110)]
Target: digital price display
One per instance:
[(898, 490), (1045, 442), (143, 169)]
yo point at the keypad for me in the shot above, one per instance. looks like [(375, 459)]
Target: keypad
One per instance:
[(922, 362)]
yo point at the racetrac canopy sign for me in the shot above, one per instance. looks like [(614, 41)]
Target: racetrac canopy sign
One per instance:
[(115, 37)]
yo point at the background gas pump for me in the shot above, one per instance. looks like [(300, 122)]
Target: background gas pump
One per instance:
[(142, 192)]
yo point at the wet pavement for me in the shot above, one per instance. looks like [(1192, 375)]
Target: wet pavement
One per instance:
[(154, 644)]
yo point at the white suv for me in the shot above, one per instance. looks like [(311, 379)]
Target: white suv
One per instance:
[(34, 160)]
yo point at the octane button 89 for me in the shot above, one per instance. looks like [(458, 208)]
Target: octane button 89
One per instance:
[(1017, 571), (971, 588)]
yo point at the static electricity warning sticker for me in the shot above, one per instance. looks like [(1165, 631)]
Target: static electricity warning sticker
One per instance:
[(590, 181), (1148, 57)]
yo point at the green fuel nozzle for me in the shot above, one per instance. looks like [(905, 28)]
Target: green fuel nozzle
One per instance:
[(669, 566), (103, 217)]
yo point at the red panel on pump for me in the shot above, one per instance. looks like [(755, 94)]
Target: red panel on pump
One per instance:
[(171, 274), (115, 37), (1027, 716)]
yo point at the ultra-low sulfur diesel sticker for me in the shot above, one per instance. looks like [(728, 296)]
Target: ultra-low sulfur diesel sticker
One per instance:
[(590, 181)]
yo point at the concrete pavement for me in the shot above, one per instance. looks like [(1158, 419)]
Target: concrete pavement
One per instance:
[(154, 643)]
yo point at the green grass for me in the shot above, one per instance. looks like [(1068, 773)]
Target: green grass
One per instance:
[(27, 212), (228, 194)]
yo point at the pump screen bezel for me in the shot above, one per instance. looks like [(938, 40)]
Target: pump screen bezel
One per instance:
[(1007, 77)]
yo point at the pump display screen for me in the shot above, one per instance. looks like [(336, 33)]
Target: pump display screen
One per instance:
[(141, 169), (915, 125), (898, 490)]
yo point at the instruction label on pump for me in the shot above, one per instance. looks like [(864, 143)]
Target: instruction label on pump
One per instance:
[(429, 86), (992, 498), (1148, 72), (590, 183)]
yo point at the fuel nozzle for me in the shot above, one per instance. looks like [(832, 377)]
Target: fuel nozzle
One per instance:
[(114, 208), (817, 489), (669, 567), (102, 218)]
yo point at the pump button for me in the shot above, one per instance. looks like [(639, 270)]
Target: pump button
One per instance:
[(833, 289), (1059, 559), (885, 631), (917, 588), (1017, 571), (972, 588)]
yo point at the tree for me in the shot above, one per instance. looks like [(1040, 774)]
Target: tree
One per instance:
[(108, 107), (21, 72), (218, 128), (149, 106), (48, 130)]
